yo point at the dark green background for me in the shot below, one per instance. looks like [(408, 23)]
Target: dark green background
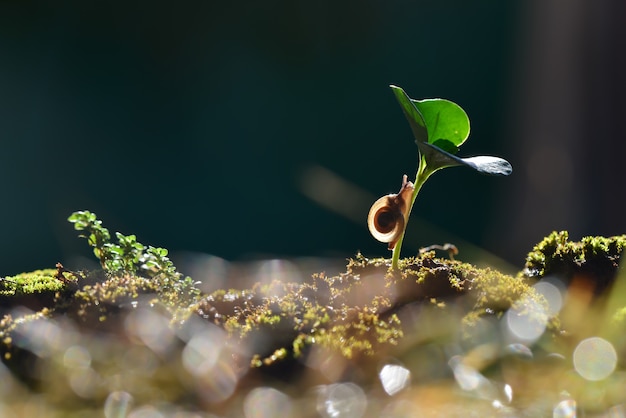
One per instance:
[(190, 124)]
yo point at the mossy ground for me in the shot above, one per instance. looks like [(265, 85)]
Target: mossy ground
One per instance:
[(75, 344)]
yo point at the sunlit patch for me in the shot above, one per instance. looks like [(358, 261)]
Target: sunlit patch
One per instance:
[(266, 402), (595, 358), (151, 328), (117, 404), (553, 291), (394, 378), (565, 409), (341, 400), (211, 271), (281, 270), (527, 321)]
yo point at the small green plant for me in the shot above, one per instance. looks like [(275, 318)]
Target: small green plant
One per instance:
[(128, 256), (440, 127)]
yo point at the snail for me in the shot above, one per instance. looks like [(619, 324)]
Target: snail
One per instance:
[(388, 215)]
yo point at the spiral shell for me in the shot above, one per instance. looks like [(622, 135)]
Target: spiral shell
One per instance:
[(388, 215)]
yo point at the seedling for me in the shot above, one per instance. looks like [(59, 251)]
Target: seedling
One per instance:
[(130, 257), (440, 127)]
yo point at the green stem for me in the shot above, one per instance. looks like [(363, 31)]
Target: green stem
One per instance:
[(420, 178)]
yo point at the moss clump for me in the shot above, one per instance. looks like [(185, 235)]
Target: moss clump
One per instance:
[(292, 316), (96, 302), (594, 260), (106, 332), (355, 313), (35, 290), (36, 282)]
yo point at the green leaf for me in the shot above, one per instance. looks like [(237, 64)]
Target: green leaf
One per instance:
[(445, 120), (435, 120)]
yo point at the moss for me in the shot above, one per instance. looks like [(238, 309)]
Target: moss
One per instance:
[(34, 290), (36, 282), (337, 326), (96, 301), (355, 313), (594, 260)]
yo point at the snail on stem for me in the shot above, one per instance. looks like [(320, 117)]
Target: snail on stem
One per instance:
[(389, 214), (439, 127)]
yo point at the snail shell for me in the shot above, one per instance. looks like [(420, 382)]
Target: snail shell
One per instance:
[(388, 215)]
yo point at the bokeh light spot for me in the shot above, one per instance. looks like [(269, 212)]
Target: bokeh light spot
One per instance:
[(552, 291), (467, 377), (526, 322), (151, 328), (84, 382), (341, 400), (394, 378), (266, 402), (565, 409), (77, 356), (595, 358), (117, 404)]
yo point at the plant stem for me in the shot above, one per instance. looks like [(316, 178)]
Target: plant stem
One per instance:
[(420, 178)]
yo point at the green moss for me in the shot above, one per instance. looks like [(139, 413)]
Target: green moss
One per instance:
[(39, 281), (592, 259), (153, 338), (356, 312)]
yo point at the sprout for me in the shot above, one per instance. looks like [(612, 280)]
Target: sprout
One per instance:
[(439, 127)]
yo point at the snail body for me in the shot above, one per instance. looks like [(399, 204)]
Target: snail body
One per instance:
[(388, 215)]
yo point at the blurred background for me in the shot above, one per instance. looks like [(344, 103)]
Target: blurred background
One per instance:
[(258, 130)]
